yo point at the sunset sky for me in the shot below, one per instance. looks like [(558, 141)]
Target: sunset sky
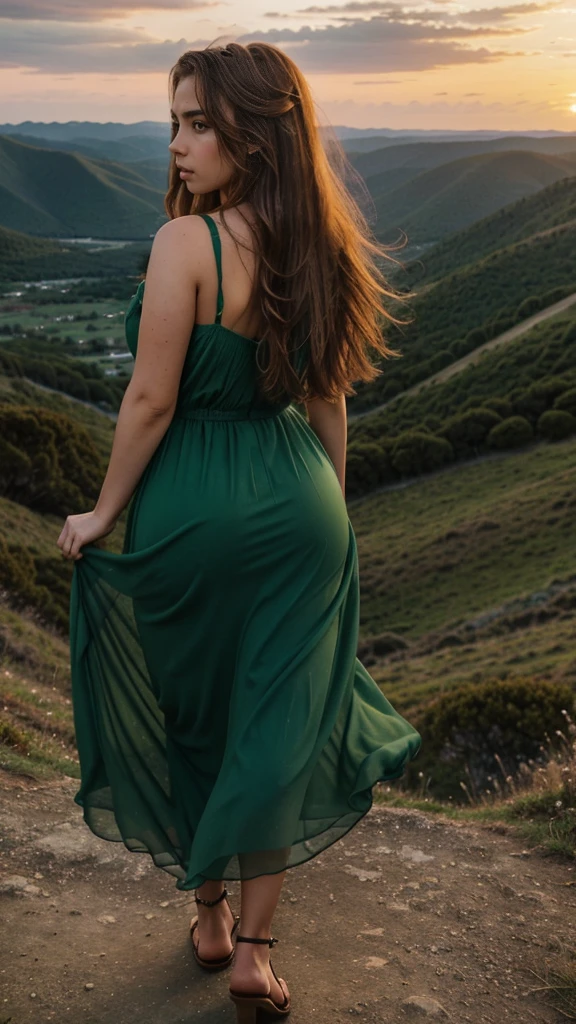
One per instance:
[(427, 65)]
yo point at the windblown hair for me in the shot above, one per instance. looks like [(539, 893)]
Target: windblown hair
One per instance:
[(318, 288)]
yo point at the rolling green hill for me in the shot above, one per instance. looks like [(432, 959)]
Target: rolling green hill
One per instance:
[(50, 192), (455, 195), (545, 209), (25, 258), (519, 394), (69, 131), (473, 303), (131, 150), (418, 156)]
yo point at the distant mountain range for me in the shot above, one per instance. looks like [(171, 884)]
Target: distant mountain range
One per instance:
[(108, 180), (50, 192)]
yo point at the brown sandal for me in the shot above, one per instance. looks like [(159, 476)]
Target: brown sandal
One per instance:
[(222, 962), (248, 1006)]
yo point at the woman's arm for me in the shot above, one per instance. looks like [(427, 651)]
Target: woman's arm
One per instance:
[(168, 313), (328, 420)]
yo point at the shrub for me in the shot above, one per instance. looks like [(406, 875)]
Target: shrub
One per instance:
[(47, 461), (540, 396), (566, 402), (367, 466), (417, 452), (500, 405), (529, 306), (10, 365), (463, 731), (468, 431), (477, 336), (461, 347), (510, 433), (39, 583), (555, 424)]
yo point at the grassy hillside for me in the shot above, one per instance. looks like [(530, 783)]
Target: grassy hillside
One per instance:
[(452, 546), (473, 304), (546, 209), (546, 351), (50, 192), (455, 195), (515, 395), (25, 258)]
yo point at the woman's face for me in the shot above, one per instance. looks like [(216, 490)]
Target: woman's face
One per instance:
[(195, 147)]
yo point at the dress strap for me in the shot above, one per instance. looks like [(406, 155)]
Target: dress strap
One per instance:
[(217, 246)]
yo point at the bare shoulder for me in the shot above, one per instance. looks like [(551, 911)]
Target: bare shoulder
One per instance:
[(183, 240)]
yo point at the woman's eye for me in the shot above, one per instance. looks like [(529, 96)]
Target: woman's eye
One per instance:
[(201, 123)]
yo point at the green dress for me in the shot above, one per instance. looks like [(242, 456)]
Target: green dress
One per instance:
[(223, 721)]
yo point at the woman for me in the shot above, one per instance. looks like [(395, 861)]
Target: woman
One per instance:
[(224, 723)]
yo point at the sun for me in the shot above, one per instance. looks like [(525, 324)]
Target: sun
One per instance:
[(573, 108)]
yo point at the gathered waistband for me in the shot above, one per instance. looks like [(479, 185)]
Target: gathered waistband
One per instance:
[(229, 414)]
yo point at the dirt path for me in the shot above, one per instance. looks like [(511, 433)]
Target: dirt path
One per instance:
[(474, 356), (407, 917)]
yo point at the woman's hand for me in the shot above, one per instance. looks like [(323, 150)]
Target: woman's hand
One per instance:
[(82, 529)]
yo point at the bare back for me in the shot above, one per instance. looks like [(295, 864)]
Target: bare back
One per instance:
[(238, 271)]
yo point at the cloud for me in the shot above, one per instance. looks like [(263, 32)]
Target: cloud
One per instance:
[(80, 10), (342, 12), (397, 41), (379, 44)]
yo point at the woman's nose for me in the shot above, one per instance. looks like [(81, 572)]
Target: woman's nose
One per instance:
[(176, 145)]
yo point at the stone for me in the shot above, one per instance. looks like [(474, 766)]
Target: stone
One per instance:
[(423, 1006), (18, 885), (106, 919), (375, 961), (414, 855), (362, 873), (89, 986)]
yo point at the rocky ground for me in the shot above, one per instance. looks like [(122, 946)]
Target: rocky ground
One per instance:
[(408, 917)]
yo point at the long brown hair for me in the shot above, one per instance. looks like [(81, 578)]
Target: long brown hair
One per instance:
[(317, 284)]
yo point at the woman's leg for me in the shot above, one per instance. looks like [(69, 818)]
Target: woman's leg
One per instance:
[(250, 971), (214, 923)]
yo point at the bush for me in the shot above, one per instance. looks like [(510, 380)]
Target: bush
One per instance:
[(539, 397), (502, 406), (566, 402), (39, 583), (510, 433), (555, 425), (47, 461), (463, 731), (417, 452), (368, 466), (477, 336), (10, 365), (531, 305), (468, 431)]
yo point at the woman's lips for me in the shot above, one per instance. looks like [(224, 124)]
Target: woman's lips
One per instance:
[(185, 174)]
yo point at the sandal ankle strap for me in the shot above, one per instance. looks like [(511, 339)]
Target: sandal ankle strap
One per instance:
[(267, 942), (211, 903)]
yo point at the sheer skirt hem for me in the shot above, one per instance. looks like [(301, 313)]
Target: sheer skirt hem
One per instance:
[(299, 853)]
